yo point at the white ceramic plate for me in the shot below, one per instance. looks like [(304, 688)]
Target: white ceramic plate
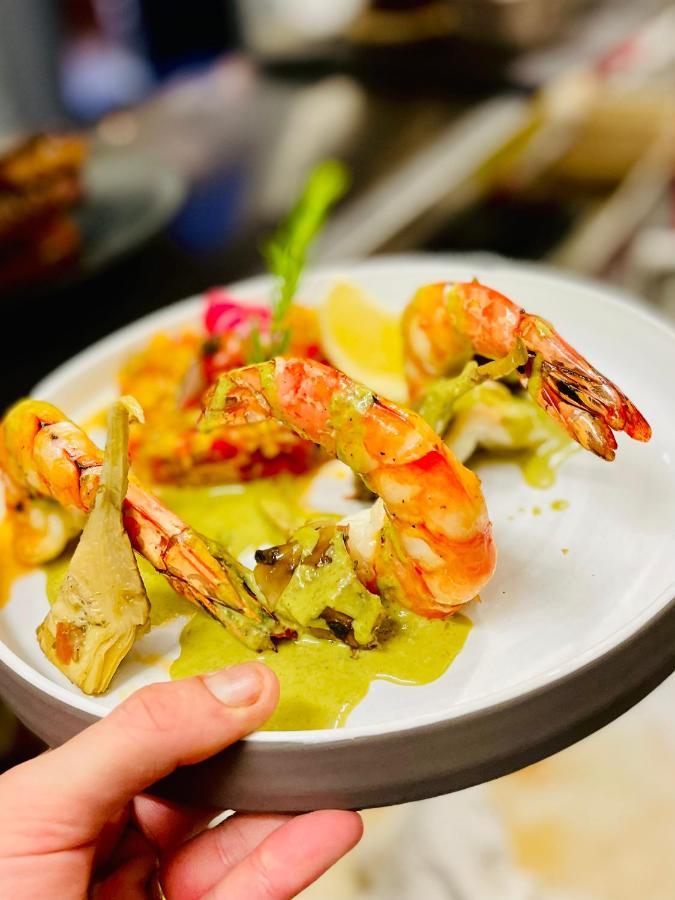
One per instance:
[(561, 642)]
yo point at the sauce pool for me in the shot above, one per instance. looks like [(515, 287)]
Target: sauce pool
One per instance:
[(321, 681)]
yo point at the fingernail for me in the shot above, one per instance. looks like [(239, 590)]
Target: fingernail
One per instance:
[(236, 686)]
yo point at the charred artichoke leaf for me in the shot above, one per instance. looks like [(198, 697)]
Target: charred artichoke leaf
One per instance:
[(102, 605), (255, 627)]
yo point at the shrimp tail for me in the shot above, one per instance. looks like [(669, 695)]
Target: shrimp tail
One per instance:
[(445, 325), (581, 399)]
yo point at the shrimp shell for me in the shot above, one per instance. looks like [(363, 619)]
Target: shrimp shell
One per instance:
[(432, 550)]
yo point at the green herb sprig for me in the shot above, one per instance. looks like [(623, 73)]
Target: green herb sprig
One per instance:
[(285, 253)]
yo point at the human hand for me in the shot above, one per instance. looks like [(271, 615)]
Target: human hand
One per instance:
[(74, 823)]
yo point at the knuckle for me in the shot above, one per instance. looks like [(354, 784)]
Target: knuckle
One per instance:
[(150, 709), (230, 845), (263, 877)]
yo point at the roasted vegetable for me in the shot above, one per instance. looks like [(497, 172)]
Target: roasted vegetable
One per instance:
[(313, 585), (257, 632), (440, 397), (102, 606)]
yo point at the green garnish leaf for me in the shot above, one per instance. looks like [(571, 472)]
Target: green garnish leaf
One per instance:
[(257, 351), (285, 253)]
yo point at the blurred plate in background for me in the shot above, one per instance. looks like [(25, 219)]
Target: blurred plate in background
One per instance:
[(129, 198)]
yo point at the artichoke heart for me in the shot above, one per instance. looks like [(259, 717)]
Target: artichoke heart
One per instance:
[(314, 586), (102, 605)]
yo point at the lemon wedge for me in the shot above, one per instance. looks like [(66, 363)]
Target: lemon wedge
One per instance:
[(363, 340)]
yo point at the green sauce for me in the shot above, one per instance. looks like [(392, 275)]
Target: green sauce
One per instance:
[(511, 427), (321, 681), (540, 465), (347, 412), (243, 516), (165, 603), (332, 584)]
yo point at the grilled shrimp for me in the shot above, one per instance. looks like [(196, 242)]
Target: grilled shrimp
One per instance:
[(445, 324), (45, 455), (427, 542)]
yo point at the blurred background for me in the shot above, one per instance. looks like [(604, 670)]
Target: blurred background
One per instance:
[(536, 129)]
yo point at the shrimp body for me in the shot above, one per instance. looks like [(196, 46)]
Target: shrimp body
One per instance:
[(445, 324), (45, 455), (428, 542)]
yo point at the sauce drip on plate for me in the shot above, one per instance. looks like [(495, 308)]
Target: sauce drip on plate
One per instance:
[(322, 681)]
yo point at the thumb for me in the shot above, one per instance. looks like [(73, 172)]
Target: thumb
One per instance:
[(87, 780)]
